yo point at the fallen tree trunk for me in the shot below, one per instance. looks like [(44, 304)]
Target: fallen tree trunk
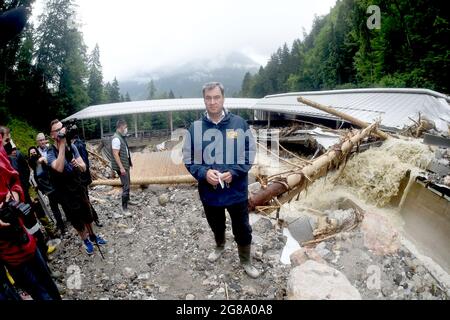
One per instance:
[(146, 181), (297, 181), (342, 115)]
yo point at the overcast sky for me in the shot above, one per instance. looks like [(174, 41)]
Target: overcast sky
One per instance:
[(142, 35)]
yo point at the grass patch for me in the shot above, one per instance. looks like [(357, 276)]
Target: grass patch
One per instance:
[(23, 135)]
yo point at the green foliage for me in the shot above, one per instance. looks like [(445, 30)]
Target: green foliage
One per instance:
[(23, 135), (409, 50)]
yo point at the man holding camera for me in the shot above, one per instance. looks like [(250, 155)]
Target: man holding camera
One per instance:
[(66, 165), (18, 251)]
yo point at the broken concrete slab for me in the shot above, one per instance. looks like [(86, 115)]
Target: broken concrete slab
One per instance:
[(301, 229), (379, 235), (436, 140), (316, 281)]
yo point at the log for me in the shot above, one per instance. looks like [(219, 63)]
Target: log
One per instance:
[(106, 162), (146, 181), (298, 180), (342, 115)]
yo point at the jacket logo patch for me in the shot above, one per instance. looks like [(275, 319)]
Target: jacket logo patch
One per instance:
[(231, 134)]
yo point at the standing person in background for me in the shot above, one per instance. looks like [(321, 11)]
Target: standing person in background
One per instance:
[(121, 163), (42, 177)]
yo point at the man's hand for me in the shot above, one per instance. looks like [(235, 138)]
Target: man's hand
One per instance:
[(42, 160), (74, 163), (212, 176), (62, 131), (122, 171), (4, 224), (227, 177)]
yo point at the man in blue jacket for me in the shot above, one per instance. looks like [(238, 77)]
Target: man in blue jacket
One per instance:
[(219, 152)]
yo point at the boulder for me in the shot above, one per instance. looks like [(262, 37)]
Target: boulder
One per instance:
[(316, 281)]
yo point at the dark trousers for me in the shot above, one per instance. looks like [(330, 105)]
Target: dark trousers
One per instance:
[(34, 277), (53, 200), (125, 180), (240, 224)]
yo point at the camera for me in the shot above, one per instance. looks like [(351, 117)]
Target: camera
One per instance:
[(71, 130), (10, 213)]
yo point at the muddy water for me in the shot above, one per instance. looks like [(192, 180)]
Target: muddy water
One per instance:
[(371, 179)]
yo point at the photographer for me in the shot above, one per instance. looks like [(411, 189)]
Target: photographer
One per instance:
[(18, 251), (38, 163), (66, 165)]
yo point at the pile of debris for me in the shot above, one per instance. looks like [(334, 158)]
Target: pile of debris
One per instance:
[(100, 167), (160, 253)]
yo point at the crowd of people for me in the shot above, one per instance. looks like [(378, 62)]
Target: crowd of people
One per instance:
[(55, 174)]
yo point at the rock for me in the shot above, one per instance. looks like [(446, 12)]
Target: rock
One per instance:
[(322, 250), (129, 231), (302, 255), (398, 279), (298, 257), (163, 199), (57, 275), (249, 290), (190, 296), (162, 289), (316, 281), (379, 236), (301, 229), (129, 273), (221, 290), (121, 286), (144, 276)]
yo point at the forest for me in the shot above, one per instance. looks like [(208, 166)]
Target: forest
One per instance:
[(408, 48)]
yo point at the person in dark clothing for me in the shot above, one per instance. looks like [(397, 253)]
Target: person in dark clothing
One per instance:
[(22, 259), (121, 163), (38, 163), (66, 164), (219, 152), (85, 176)]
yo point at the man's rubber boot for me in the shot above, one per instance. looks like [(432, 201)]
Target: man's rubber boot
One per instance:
[(219, 249), (246, 261)]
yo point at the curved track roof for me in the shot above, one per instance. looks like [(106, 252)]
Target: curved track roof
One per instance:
[(392, 106)]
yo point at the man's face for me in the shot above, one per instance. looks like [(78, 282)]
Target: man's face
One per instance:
[(214, 101), (55, 129), (33, 152), (123, 129), (42, 143)]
